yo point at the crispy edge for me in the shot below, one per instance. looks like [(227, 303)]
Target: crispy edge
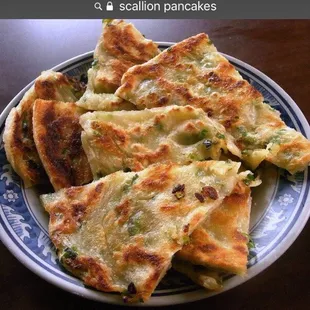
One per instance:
[(60, 171), (15, 148)]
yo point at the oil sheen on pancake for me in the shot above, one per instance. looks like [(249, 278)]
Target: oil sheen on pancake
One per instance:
[(57, 135), (119, 234), (193, 72)]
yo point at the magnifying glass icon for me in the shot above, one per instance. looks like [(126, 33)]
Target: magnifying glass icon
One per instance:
[(97, 6)]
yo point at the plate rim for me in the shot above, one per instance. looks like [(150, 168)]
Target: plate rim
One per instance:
[(177, 298)]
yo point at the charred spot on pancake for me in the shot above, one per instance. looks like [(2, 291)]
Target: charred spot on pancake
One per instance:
[(208, 248), (57, 135), (78, 211), (241, 249)]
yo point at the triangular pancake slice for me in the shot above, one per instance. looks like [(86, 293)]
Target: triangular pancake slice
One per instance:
[(18, 133), (133, 140), (119, 47), (193, 72), (119, 234), (220, 242), (57, 135)]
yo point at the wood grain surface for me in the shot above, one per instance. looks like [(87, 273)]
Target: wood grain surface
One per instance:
[(280, 49)]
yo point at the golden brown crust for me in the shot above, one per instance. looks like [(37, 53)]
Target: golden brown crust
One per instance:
[(134, 140), (220, 242), (57, 135), (294, 155), (222, 76), (134, 255), (91, 271), (46, 86), (19, 144), (157, 180), (192, 72), (125, 42), (18, 134), (67, 215), (120, 47), (114, 232)]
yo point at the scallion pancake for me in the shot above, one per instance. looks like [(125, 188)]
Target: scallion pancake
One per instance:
[(193, 72), (119, 234)]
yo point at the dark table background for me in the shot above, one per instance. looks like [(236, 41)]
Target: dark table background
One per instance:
[(280, 49)]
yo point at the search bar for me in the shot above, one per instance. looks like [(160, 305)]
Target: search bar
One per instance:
[(97, 6)]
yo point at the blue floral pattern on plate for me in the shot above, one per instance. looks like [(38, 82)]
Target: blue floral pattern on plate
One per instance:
[(280, 215)]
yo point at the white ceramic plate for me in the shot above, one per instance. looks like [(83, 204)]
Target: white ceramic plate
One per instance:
[(280, 207)]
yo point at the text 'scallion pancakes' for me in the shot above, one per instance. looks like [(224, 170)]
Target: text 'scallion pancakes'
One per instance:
[(134, 140), (120, 47), (57, 135), (193, 72), (150, 129), (18, 133), (120, 233)]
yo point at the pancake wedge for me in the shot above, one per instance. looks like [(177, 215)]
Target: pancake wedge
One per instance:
[(102, 101), (119, 47), (133, 140), (220, 242), (18, 133), (193, 72), (57, 136), (118, 234)]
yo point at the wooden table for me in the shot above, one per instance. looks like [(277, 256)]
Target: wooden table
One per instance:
[(280, 49)]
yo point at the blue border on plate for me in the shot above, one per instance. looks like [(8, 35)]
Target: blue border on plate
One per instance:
[(284, 234)]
